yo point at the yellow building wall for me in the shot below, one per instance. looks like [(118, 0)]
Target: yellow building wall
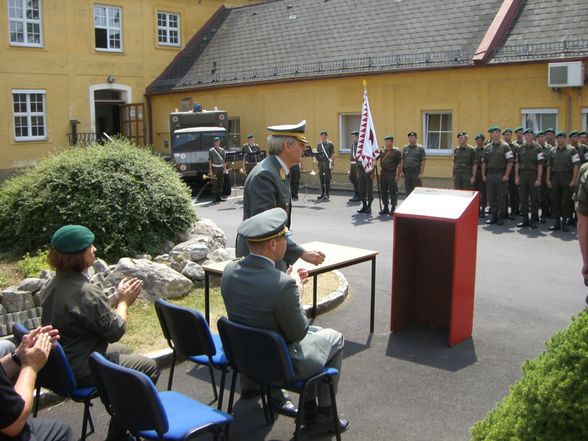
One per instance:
[(477, 97), (68, 64)]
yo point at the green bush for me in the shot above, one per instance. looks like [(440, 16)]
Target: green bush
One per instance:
[(550, 401), (2, 280), (31, 265), (131, 200)]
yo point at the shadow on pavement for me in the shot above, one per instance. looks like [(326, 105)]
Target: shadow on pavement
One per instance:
[(427, 346)]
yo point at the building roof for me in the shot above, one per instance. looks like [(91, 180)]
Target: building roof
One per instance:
[(296, 39)]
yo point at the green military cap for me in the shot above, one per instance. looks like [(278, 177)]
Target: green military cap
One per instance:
[(550, 130), (493, 129), (355, 132), (389, 138), (583, 132), (215, 139), (462, 134), (480, 136), (412, 134), (251, 135), (574, 133), (266, 225), (293, 130), (541, 133), (324, 132), (531, 131), (71, 239), (563, 134), (518, 129), (507, 131)]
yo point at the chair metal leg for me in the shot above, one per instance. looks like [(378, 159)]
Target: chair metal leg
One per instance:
[(264, 405), (269, 404), (37, 399), (85, 420), (90, 421), (232, 393), (334, 409), (222, 389), (171, 370), (211, 371), (300, 415)]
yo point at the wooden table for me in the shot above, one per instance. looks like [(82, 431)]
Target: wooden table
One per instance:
[(337, 256)]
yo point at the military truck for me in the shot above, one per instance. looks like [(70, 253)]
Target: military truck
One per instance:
[(191, 138)]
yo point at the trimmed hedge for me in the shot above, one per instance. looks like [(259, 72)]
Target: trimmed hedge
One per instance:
[(131, 199), (550, 401)]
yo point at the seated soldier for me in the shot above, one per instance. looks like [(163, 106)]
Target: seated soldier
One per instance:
[(259, 295)]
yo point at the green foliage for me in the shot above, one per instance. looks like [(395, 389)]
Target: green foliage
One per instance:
[(131, 200), (31, 265), (3, 281), (550, 401)]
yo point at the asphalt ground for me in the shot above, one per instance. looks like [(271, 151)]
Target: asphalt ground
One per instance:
[(409, 386)]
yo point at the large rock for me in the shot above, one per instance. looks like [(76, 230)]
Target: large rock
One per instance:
[(31, 284), (166, 247), (207, 227), (100, 266), (221, 255), (158, 280), (197, 248), (193, 271), (16, 300)]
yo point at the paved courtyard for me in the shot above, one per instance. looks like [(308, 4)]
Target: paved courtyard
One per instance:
[(411, 386)]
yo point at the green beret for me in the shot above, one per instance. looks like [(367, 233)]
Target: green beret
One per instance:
[(541, 133), (480, 136), (574, 133), (582, 133), (324, 132), (71, 239), (507, 131), (266, 225), (562, 134), (519, 129), (389, 138), (215, 139), (531, 131), (550, 130), (251, 135), (355, 132), (462, 134), (412, 134), (493, 129)]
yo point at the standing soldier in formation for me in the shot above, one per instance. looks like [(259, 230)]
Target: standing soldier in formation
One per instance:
[(365, 182), (498, 160), (513, 191), (519, 135), (390, 164), (250, 152), (580, 147), (413, 164), (353, 166), (479, 184), (545, 194), (464, 164), (528, 172), (550, 136), (583, 140), (561, 178), (217, 167), (325, 151)]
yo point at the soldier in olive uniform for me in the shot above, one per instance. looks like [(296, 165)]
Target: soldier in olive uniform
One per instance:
[(528, 172), (583, 140), (217, 167), (496, 167), (413, 164), (325, 151), (464, 164), (479, 184), (561, 178), (519, 133), (513, 191), (390, 164), (250, 151), (550, 136), (353, 166), (545, 193)]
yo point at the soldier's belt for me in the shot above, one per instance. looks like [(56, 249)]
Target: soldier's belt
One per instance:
[(217, 165), (353, 162)]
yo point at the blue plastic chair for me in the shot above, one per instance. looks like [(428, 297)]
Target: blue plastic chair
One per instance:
[(58, 377), (262, 356), (132, 399), (187, 332)]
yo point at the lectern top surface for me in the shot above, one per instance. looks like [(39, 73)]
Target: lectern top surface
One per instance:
[(436, 203)]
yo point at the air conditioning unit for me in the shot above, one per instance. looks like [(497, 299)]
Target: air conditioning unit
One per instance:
[(570, 74)]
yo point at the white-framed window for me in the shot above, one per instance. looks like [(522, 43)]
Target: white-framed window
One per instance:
[(108, 28), (28, 110), (24, 23), (539, 119), (168, 28), (584, 119), (438, 132), (348, 122)]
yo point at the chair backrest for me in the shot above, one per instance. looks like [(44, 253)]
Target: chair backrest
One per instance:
[(130, 396), (56, 374), (185, 329), (260, 354)]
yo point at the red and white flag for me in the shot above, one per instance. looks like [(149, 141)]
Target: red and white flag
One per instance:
[(367, 145)]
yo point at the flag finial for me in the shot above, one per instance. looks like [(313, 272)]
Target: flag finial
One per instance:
[(364, 84)]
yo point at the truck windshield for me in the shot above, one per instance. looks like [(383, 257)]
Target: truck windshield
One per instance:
[(197, 141)]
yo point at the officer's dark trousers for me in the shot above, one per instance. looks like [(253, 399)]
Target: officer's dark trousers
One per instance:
[(249, 167), (461, 180), (496, 192), (365, 184), (561, 194), (389, 187), (513, 194), (217, 184), (294, 180), (353, 177), (411, 180), (480, 186), (545, 196), (325, 176), (528, 193)]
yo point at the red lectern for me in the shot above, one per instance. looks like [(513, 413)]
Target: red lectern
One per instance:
[(434, 261)]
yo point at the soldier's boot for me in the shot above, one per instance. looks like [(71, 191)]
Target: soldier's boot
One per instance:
[(363, 207), (524, 223), (564, 227), (556, 225), (368, 209), (542, 218), (327, 190), (500, 220), (482, 212), (384, 210), (320, 198), (355, 198), (493, 219), (392, 210), (533, 223)]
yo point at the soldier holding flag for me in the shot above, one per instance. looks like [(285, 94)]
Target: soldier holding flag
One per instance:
[(367, 152)]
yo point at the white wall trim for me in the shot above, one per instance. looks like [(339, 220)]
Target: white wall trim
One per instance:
[(126, 95)]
